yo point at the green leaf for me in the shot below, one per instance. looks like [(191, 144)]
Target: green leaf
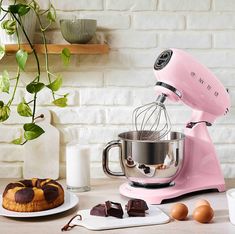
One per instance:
[(4, 113), (56, 84), (9, 26), (4, 82), (21, 58), (20, 9), (32, 131), (61, 102), (51, 15), (1, 104), (24, 109), (23, 10), (65, 56), (17, 141), (34, 87), (35, 6), (13, 8), (2, 51)]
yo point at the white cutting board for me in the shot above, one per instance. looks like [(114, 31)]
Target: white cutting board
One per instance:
[(153, 217), (41, 155)]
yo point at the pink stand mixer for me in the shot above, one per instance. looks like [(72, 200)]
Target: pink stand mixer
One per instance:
[(192, 161)]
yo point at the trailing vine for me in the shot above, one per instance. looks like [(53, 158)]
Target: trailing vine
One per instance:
[(12, 25)]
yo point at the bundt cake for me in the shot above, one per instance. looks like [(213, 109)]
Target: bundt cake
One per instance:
[(32, 195)]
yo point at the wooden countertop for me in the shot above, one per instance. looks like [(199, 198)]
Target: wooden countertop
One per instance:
[(104, 189)]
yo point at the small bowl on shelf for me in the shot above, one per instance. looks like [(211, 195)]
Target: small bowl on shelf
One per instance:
[(78, 31)]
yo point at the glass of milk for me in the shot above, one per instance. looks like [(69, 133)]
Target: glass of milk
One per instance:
[(231, 204), (77, 167)]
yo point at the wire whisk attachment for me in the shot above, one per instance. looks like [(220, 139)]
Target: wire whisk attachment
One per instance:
[(151, 120)]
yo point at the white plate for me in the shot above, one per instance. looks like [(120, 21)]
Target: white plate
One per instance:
[(154, 216), (70, 201)]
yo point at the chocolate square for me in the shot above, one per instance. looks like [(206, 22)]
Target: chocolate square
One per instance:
[(114, 209), (147, 170), (141, 166), (136, 208), (99, 210)]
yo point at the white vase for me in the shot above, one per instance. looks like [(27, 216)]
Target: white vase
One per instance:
[(29, 22)]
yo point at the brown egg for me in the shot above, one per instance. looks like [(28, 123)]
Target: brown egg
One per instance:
[(202, 202), (179, 211), (203, 214)]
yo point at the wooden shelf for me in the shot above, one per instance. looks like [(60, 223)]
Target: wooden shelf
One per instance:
[(57, 48)]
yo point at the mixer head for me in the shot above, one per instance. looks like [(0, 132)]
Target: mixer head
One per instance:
[(151, 120), (182, 77)]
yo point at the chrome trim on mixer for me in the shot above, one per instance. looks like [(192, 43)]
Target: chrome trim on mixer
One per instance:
[(161, 98), (173, 89), (134, 136), (105, 159)]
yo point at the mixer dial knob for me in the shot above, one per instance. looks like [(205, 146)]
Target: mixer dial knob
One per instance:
[(163, 59)]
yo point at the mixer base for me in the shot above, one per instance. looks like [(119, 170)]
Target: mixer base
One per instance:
[(157, 195)]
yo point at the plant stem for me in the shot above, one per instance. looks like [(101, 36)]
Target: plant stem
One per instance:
[(19, 21), (46, 52), (24, 142), (4, 15), (16, 85), (30, 102), (39, 117), (18, 73), (51, 73)]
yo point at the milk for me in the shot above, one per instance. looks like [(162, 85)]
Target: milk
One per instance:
[(77, 167)]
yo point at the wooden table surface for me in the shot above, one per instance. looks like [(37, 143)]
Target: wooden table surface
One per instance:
[(107, 189)]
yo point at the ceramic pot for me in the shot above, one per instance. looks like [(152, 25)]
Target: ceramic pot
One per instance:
[(78, 31), (29, 21)]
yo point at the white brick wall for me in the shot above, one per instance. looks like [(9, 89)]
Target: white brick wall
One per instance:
[(224, 40), (224, 5), (133, 5), (166, 21), (132, 39), (104, 89), (211, 21), (195, 40), (184, 5), (72, 5)]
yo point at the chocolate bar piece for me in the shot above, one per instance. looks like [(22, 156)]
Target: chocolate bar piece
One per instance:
[(141, 166), (99, 210), (114, 209), (136, 208), (147, 170)]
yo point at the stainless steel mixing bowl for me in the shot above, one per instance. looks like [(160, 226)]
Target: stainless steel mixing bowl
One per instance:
[(147, 163)]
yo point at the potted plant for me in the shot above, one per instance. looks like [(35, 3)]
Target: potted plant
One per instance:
[(12, 22), (10, 37)]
